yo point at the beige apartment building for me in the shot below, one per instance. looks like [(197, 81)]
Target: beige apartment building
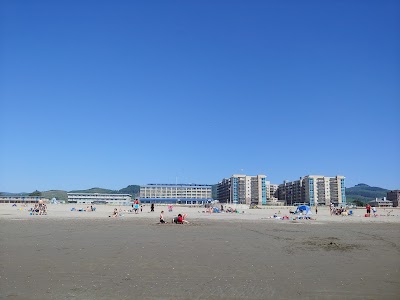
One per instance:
[(314, 190), (244, 189)]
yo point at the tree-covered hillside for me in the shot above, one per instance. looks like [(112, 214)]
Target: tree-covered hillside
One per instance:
[(58, 194), (132, 190), (364, 193), (95, 190)]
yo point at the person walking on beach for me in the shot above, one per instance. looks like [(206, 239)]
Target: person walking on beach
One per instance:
[(152, 207), (136, 206)]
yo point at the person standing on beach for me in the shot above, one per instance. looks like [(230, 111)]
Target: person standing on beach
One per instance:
[(152, 207), (368, 207), (136, 206)]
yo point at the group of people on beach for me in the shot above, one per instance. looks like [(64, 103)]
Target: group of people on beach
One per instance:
[(87, 209), (137, 206), (39, 209), (180, 219), (339, 211)]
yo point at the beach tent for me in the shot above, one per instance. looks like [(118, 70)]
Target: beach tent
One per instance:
[(303, 208)]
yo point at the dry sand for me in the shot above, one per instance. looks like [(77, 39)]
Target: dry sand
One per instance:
[(87, 255)]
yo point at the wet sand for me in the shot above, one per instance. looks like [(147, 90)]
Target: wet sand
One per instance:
[(78, 255)]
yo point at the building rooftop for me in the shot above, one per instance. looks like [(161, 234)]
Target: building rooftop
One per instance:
[(176, 184)]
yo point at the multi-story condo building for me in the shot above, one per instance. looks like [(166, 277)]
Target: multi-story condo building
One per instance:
[(97, 198), (273, 191), (176, 193), (292, 192), (394, 196), (243, 189), (314, 189)]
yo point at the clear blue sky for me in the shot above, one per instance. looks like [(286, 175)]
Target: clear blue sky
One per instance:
[(112, 93)]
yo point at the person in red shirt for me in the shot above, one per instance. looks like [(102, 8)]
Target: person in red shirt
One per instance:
[(368, 208), (179, 220)]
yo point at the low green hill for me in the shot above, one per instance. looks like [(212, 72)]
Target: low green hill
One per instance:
[(95, 190), (132, 190), (58, 194), (364, 193)]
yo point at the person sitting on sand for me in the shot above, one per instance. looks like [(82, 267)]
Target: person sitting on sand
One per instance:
[(44, 209), (162, 217), (179, 219), (115, 213), (184, 216)]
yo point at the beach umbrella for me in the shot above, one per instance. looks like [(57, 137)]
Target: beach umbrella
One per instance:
[(302, 208)]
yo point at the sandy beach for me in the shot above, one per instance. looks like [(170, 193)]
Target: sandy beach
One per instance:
[(88, 255)]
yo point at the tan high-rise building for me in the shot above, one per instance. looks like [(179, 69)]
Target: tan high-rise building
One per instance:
[(243, 189), (272, 191), (314, 189)]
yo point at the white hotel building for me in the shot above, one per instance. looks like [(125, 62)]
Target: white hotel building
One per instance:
[(22, 199), (96, 198), (175, 193)]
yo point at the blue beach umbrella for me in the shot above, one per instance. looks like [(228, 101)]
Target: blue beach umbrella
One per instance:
[(302, 208)]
